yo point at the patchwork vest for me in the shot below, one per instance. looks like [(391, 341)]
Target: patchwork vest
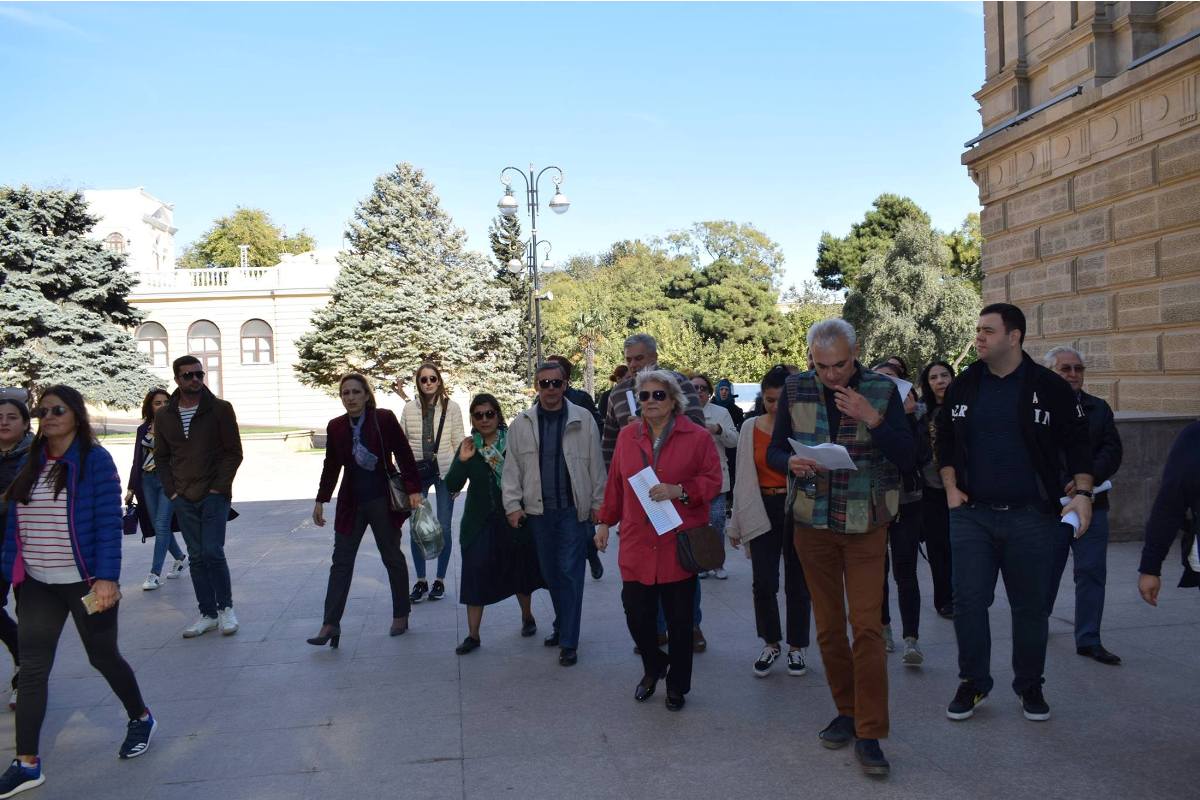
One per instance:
[(844, 501)]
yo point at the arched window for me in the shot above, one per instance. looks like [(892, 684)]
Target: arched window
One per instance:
[(152, 340), (258, 342), (114, 243), (204, 342)]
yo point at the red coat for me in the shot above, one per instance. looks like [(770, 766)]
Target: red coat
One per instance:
[(689, 457), (339, 457)]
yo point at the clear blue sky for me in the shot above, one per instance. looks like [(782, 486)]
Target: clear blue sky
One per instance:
[(791, 117)]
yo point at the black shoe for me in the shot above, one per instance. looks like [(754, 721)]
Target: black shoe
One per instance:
[(965, 701), (674, 701), (871, 757), (567, 657), (838, 733), (644, 690), (551, 640), (468, 644), (399, 626), (597, 570), (18, 778), (438, 591), (946, 612), (330, 635), (1098, 652), (420, 589), (137, 736), (528, 627), (1034, 704)]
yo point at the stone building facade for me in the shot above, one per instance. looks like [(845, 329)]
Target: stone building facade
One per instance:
[(1088, 168)]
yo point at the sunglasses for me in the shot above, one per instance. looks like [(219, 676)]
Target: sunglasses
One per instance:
[(546, 383), (428, 379), (41, 411), (193, 375), (482, 415), (657, 394)]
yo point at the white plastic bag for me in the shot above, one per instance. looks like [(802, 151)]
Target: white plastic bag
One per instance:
[(427, 531)]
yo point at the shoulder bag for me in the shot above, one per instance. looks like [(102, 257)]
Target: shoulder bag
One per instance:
[(697, 549), (397, 493), (427, 468)]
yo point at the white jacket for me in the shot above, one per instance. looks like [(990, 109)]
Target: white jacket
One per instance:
[(728, 437), (452, 432), (749, 518), (521, 480)]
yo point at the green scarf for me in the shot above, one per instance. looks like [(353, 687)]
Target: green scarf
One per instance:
[(493, 454)]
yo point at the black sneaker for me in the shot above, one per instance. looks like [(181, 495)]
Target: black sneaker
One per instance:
[(18, 778), (965, 701), (870, 756), (137, 737), (762, 667), (420, 589), (838, 733), (597, 570), (437, 592), (1034, 704)]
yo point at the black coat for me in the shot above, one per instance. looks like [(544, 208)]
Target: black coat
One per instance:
[(1106, 443)]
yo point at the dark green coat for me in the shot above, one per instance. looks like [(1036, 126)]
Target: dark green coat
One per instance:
[(483, 496)]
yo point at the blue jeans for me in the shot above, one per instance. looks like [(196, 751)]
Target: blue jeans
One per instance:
[(1091, 572), (445, 510), (203, 527), (561, 541), (716, 516), (159, 506), (1018, 544)]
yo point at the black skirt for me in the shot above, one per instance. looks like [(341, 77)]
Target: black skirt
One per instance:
[(500, 562)]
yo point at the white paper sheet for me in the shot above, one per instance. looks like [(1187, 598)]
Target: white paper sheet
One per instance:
[(662, 513), (902, 385), (1072, 518), (828, 455), (632, 399)]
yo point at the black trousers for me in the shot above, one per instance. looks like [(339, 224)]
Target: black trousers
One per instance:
[(765, 550), (904, 536), (641, 615), (935, 521), (345, 547), (8, 628), (43, 609)]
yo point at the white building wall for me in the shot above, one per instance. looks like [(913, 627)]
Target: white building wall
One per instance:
[(145, 222)]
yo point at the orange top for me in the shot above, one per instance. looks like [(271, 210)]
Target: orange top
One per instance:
[(768, 478)]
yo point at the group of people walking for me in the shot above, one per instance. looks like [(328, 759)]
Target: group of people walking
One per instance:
[(981, 467)]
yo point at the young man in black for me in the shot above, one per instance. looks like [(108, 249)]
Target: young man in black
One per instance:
[(1005, 429)]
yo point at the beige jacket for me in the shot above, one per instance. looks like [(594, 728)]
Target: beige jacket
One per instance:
[(521, 484), (728, 437), (749, 518), (452, 432)]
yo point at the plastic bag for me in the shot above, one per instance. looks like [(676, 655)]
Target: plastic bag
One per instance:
[(427, 531)]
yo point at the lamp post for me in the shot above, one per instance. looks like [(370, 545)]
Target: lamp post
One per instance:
[(509, 206)]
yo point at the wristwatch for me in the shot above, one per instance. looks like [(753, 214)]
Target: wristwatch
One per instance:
[(1086, 493), (683, 495)]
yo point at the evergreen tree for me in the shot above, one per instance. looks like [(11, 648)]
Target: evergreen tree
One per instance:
[(908, 302), (504, 234), (408, 291), (64, 310), (839, 259)]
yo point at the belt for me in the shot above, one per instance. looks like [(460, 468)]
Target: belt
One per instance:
[(773, 490)]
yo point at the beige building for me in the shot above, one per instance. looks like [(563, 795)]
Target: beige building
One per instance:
[(1088, 169)]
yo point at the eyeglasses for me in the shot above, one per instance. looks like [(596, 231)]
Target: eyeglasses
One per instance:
[(1077, 368), (700, 387), (428, 379), (194, 375), (657, 394), (482, 415), (546, 383), (42, 411)]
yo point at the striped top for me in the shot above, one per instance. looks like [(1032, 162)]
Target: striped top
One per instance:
[(185, 416), (45, 531), (148, 452)]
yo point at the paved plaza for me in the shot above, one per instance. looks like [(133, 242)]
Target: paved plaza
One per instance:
[(263, 715)]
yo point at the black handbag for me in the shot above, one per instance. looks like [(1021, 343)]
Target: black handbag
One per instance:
[(700, 549), (397, 492), (427, 468)]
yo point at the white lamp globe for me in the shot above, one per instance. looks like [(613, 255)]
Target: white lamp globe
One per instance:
[(508, 204), (515, 266), (559, 203)]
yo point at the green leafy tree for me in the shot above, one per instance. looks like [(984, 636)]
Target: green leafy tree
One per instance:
[(409, 291), (840, 259), (909, 302), (64, 302), (218, 246), (966, 249)]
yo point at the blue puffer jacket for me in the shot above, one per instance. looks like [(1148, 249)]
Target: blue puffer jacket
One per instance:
[(94, 508)]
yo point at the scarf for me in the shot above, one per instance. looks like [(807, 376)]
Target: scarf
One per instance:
[(362, 456), (493, 454)]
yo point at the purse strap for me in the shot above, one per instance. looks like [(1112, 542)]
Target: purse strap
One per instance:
[(437, 440), (387, 458)]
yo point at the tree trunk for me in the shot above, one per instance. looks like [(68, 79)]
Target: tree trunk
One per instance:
[(589, 368)]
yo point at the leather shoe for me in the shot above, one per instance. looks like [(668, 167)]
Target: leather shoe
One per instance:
[(551, 640), (643, 692), (468, 644), (567, 657), (1097, 652), (399, 626), (528, 627), (675, 701), (871, 758)]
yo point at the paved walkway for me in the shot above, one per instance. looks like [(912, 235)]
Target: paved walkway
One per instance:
[(263, 715)]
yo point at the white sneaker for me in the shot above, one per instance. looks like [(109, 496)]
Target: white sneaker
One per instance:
[(228, 621), (703, 574), (889, 644), (151, 583), (200, 627), (176, 569), (720, 574), (913, 657)]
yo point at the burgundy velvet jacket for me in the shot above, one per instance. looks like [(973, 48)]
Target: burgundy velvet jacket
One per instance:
[(339, 457)]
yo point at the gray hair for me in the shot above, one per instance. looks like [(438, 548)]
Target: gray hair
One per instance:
[(644, 339), (667, 379), (546, 366), (1051, 357), (828, 331)]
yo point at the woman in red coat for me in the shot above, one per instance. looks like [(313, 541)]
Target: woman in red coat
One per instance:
[(688, 469), (363, 444)]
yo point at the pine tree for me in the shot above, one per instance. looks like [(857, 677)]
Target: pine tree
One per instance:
[(408, 291), (64, 310), (504, 235)]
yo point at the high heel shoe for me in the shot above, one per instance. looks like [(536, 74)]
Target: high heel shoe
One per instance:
[(330, 635), (399, 626)]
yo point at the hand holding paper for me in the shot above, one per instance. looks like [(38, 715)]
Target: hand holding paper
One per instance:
[(828, 455), (662, 513), (1071, 518)]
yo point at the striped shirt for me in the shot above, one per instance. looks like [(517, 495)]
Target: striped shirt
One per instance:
[(148, 452), (185, 416), (45, 532)]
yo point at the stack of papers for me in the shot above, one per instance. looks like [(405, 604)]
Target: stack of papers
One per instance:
[(903, 386), (662, 513)]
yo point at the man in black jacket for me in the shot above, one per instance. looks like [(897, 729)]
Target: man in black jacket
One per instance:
[(1005, 429), (1178, 494), (1091, 551)]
